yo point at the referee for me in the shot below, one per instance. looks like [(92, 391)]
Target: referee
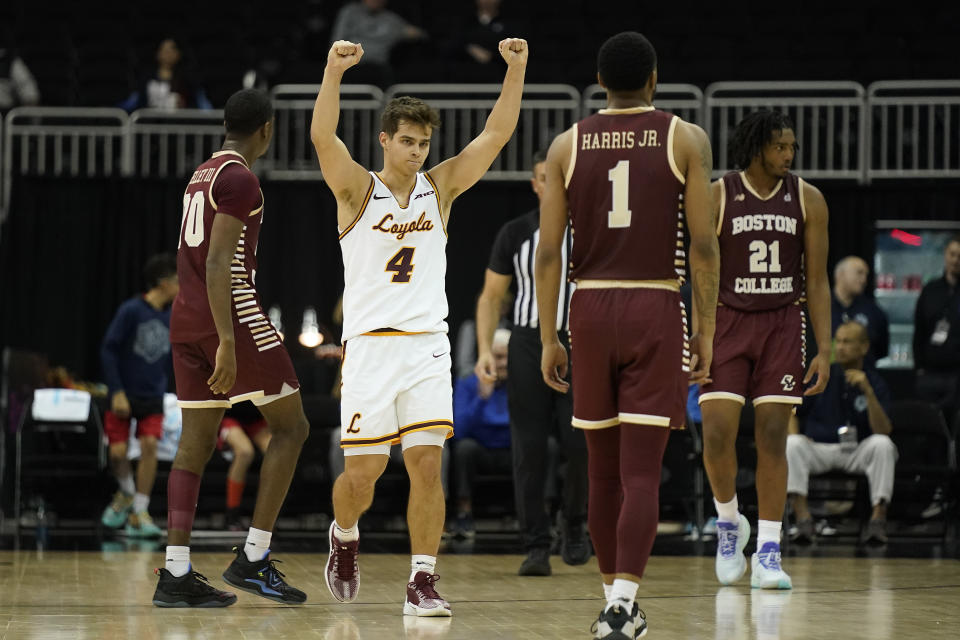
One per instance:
[(536, 411)]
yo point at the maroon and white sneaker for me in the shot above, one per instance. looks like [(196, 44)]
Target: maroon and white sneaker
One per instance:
[(423, 599), (343, 574)]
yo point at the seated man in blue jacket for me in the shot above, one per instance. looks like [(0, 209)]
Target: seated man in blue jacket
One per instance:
[(844, 428), (482, 432)]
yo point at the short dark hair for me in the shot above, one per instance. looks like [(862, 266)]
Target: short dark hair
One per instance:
[(625, 61), (539, 156), (753, 133), (246, 111), (408, 109), (955, 238), (158, 267)]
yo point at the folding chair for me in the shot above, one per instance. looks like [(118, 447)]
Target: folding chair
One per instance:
[(60, 437)]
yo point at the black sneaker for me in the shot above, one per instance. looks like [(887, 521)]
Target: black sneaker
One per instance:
[(261, 578), (576, 546), (537, 563), (616, 624), (189, 590)]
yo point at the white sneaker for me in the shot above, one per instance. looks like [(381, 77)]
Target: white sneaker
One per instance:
[(731, 540), (766, 572)]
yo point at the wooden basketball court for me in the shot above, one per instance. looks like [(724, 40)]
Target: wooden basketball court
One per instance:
[(90, 594)]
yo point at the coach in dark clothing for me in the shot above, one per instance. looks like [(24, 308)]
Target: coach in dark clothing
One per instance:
[(849, 304), (536, 411), (936, 336)]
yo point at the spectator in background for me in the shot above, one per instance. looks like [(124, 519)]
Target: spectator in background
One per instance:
[(17, 85), (482, 431), (136, 357), (377, 29), (849, 304), (241, 429), (537, 412), (473, 46), (168, 86), (936, 336), (845, 428)]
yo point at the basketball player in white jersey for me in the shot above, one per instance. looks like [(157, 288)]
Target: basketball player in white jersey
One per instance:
[(396, 367)]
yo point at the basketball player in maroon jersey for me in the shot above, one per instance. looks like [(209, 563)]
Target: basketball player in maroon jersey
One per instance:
[(773, 246), (629, 175), (225, 351)]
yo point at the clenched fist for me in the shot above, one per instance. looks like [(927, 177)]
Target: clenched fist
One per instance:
[(343, 55), (514, 51)]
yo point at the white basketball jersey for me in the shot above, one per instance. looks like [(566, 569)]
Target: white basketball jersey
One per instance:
[(395, 263)]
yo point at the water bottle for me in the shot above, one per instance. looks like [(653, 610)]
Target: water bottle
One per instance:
[(847, 434)]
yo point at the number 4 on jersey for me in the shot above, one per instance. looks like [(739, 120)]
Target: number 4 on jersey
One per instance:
[(402, 263)]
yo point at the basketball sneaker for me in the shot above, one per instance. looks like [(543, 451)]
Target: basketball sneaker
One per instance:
[(115, 515), (141, 525), (423, 599), (731, 540), (261, 578), (766, 572), (189, 590), (343, 573), (614, 623)]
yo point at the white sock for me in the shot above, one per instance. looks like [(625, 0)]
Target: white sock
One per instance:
[(728, 512), (127, 485), (178, 560), (346, 535), (258, 544), (767, 531), (420, 563), (607, 589), (140, 502), (623, 591)]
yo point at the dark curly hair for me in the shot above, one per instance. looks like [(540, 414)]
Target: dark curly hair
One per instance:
[(752, 135), (625, 61)]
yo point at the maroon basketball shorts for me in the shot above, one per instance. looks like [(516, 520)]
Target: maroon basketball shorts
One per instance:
[(759, 355), (629, 357), (262, 376)]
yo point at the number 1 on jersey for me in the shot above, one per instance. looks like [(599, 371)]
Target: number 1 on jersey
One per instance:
[(620, 215), (402, 263)]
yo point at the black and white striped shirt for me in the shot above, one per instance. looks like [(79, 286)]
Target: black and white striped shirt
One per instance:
[(514, 252)]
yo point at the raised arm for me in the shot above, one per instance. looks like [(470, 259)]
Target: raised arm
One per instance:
[(457, 174), (548, 268), (815, 245), (693, 146), (347, 179)]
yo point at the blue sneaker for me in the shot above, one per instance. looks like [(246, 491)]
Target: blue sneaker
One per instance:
[(261, 578), (766, 572), (115, 515), (731, 540)]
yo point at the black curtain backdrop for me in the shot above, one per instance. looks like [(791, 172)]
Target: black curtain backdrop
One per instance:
[(73, 249)]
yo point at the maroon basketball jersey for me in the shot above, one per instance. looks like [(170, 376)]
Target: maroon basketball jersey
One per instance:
[(761, 244), (223, 184), (626, 197)]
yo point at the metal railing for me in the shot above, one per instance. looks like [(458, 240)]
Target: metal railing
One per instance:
[(62, 141), (291, 156), (897, 129), (546, 110), (684, 100), (165, 143), (914, 128), (828, 119)]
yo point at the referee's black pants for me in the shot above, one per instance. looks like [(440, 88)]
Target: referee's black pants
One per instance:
[(536, 413)]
